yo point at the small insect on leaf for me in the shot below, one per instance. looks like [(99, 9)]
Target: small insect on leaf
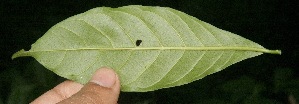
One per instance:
[(138, 42)]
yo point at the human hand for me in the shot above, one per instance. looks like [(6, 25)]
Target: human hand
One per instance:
[(103, 88)]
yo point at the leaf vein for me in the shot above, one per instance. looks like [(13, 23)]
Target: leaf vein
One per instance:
[(187, 26), (74, 34), (84, 70), (221, 67), (147, 26), (60, 60), (100, 31), (145, 68), (170, 25), (168, 70), (208, 32), (213, 63), (120, 27), (127, 60), (197, 61)]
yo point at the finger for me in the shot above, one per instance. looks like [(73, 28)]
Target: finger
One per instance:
[(103, 88), (62, 91)]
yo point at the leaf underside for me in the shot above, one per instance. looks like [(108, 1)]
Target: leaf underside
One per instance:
[(149, 47)]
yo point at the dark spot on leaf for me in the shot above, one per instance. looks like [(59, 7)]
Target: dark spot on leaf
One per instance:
[(138, 42)]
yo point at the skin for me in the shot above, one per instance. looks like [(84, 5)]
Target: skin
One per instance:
[(103, 88)]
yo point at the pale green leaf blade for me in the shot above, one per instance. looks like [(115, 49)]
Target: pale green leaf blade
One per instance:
[(175, 48)]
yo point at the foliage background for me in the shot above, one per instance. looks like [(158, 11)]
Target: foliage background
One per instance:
[(263, 79)]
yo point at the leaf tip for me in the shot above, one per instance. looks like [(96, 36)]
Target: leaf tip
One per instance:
[(275, 52), (19, 54), (278, 52)]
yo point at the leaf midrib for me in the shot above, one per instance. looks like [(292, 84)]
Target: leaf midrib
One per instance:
[(263, 50)]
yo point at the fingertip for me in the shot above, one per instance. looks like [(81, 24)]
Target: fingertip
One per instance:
[(105, 77)]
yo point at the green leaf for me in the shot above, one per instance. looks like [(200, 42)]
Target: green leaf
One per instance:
[(149, 47)]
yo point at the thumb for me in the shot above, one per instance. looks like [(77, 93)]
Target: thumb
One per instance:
[(103, 88)]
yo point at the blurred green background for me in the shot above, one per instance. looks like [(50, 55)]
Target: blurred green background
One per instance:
[(272, 79)]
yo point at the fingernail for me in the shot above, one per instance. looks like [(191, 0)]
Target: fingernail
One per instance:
[(104, 77)]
